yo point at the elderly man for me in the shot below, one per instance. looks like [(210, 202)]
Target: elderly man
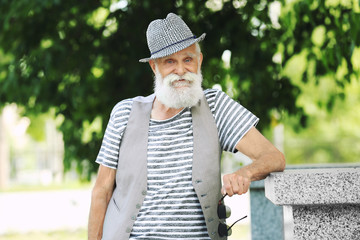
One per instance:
[(159, 175)]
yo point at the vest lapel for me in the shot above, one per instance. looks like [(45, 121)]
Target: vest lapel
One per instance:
[(206, 175), (131, 173)]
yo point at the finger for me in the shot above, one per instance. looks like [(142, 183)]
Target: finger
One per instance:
[(247, 185), (236, 183), (227, 185), (223, 190), (229, 190)]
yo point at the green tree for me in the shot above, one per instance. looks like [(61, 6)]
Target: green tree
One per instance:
[(79, 58), (321, 56), (320, 49)]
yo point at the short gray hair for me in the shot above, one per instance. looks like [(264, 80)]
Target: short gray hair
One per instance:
[(198, 49)]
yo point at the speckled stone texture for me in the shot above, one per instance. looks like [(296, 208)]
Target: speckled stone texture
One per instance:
[(321, 203), (314, 186), (327, 222)]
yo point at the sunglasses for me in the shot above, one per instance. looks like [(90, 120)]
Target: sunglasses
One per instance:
[(223, 213)]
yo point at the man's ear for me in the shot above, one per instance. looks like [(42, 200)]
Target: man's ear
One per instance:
[(200, 59), (152, 65)]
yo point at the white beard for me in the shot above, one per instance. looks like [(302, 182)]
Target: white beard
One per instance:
[(187, 94)]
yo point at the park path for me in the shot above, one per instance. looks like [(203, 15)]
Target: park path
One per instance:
[(44, 211)]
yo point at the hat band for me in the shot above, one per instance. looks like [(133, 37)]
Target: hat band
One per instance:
[(193, 37)]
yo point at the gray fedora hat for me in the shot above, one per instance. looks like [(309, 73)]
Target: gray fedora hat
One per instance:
[(168, 36)]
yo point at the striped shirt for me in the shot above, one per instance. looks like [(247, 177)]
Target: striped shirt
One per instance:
[(171, 209)]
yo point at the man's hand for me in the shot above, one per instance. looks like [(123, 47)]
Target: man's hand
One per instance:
[(265, 159), (236, 183)]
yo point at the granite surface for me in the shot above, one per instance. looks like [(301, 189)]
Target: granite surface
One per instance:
[(326, 222), (314, 186)]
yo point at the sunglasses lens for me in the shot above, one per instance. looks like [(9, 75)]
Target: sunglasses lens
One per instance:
[(222, 229), (227, 211), (221, 211)]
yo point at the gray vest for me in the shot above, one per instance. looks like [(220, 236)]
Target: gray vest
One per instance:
[(131, 174)]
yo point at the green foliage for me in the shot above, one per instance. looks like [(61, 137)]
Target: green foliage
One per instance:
[(81, 58), (319, 48), (330, 137)]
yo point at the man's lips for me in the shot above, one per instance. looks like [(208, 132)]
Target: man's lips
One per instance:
[(179, 80), (181, 83)]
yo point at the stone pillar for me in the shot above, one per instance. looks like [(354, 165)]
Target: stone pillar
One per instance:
[(317, 203)]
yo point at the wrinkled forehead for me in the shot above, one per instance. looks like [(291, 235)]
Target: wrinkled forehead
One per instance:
[(187, 52)]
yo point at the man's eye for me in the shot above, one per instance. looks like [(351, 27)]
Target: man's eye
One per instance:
[(188, 60), (169, 61)]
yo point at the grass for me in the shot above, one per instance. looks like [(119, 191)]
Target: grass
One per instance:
[(56, 235), (51, 187)]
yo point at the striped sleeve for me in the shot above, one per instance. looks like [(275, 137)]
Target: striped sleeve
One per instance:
[(109, 150), (233, 120)]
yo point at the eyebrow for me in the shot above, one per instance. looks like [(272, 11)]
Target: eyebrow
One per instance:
[(193, 55), (188, 54)]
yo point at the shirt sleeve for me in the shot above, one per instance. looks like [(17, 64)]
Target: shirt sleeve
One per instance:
[(232, 119), (109, 151)]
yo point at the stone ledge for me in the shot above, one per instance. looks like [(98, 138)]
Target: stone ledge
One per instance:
[(326, 222), (314, 186)]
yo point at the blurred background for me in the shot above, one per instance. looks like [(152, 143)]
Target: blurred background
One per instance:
[(65, 64)]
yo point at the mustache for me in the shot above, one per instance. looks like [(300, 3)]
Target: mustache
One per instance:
[(189, 76)]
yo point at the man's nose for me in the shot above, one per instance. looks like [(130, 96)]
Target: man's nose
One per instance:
[(180, 69)]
